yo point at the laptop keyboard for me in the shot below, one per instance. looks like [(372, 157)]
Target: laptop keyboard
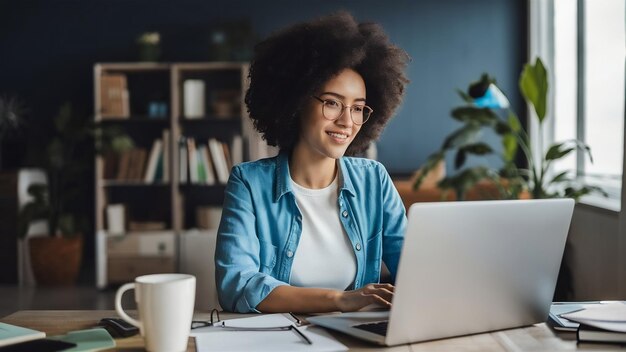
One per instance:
[(379, 328)]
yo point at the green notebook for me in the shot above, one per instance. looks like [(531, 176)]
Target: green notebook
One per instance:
[(87, 340), (11, 334)]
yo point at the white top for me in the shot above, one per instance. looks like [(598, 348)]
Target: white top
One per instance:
[(324, 257)]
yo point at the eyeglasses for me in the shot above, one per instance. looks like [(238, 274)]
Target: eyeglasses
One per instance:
[(201, 323), (333, 109), (217, 323)]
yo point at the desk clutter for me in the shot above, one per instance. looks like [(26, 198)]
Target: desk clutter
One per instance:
[(593, 321), (15, 339)]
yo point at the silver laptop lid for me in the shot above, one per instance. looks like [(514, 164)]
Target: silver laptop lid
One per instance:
[(470, 267)]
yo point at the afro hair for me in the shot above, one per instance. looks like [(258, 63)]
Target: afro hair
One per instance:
[(292, 64)]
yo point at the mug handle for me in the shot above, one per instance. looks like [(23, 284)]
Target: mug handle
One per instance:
[(118, 304)]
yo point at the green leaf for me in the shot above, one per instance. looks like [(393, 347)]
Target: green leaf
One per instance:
[(509, 147), (478, 148), (482, 116), (583, 147), (67, 225), (561, 177), (557, 152), (533, 85), (513, 121), (502, 128), (463, 136)]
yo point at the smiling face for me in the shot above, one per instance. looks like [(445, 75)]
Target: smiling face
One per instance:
[(322, 138)]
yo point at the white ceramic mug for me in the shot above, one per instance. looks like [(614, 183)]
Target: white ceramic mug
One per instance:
[(165, 303)]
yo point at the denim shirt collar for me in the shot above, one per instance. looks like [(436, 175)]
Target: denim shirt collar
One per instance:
[(283, 178)]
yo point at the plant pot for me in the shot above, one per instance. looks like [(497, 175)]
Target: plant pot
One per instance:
[(55, 260)]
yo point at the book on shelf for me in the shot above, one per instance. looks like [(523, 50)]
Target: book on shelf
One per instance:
[(217, 154), (110, 165), (12, 334), (193, 160), (114, 96), (132, 160), (166, 155), (202, 166), (208, 165), (158, 175), (153, 161), (140, 164), (227, 157), (182, 160), (124, 163)]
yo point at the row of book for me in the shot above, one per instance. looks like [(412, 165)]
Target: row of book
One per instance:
[(208, 163), (139, 165)]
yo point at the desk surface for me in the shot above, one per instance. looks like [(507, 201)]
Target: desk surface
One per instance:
[(532, 338)]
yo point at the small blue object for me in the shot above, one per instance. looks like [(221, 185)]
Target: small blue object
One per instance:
[(163, 109), (153, 109), (157, 109), (493, 99)]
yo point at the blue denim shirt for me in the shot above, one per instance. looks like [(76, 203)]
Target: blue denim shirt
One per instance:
[(261, 226)]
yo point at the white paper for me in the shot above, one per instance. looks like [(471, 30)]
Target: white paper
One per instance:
[(605, 316), (614, 312), (214, 339)]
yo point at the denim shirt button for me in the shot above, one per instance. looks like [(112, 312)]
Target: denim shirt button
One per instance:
[(289, 254), (345, 214), (341, 203), (358, 246)]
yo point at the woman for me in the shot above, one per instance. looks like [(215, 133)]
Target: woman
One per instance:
[(306, 231)]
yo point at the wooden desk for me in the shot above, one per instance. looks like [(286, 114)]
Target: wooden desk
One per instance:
[(533, 338)]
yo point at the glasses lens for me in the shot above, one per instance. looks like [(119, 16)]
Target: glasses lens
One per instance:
[(332, 109), (360, 114)]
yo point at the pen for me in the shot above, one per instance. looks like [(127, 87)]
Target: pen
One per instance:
[(294, 328)]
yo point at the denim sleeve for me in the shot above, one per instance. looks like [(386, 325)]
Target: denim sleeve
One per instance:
[(394, 223), (240, 285)]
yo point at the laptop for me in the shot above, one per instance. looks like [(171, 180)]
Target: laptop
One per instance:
[(467, 268)]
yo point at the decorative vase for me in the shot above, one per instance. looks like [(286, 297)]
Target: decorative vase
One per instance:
[(55, 260)]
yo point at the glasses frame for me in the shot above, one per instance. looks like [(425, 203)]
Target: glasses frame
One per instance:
[(343, 110), (196, 324)]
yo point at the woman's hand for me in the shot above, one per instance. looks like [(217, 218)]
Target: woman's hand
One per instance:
[(380, 294)]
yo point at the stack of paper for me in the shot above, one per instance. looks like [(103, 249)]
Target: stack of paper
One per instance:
[(605, 316), (216, 339)]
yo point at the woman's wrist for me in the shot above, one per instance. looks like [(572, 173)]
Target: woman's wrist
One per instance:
[(335, 299)]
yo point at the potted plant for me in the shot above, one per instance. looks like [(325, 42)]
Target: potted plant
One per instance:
[(56, 258), (487, 108)]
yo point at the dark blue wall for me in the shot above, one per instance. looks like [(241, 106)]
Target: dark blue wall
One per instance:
[(48, 48)]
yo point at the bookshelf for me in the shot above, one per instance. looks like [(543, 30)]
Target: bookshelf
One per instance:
[(148, 101)]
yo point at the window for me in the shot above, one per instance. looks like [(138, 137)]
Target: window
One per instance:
[(589, 58)]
